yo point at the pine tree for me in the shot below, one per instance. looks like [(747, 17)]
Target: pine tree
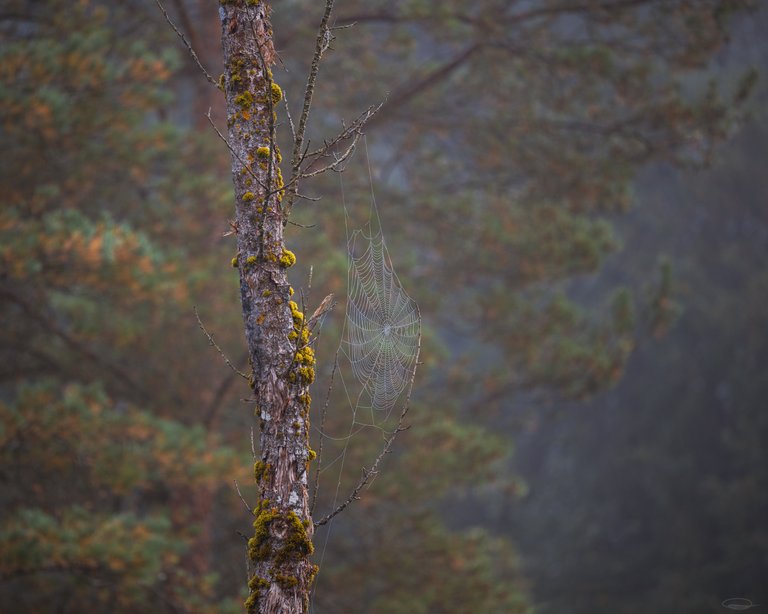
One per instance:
[(102, 462)]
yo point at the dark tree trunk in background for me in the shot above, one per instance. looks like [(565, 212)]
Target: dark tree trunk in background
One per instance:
[(282, 362)]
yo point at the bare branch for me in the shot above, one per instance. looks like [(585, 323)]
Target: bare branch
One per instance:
[(369, 474), (302, 225), (186, 23), (322, 435), (415, 87), (245, 164), (348, 132), (186, 44), (290, 118), (343, 27), (336, 165), (218, 349), (566, 8), (321, 45), (313, 199), (353, 131), (239, 494)]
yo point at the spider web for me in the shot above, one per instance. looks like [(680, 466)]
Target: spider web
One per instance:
[(381, 340), (383, 324)]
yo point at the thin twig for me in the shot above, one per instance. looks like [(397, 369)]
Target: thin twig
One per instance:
[(239, 494), (218, 349), (357, 125), (321, 44), (336, 165), (322, 436), (186, 44), (353, 131), (302, 225), (343, 27), (247, 558), (368, 474), (312, 199), (290, 119), (269, 193), (232, 151)]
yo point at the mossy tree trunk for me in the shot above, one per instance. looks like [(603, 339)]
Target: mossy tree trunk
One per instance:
[(281, 359)]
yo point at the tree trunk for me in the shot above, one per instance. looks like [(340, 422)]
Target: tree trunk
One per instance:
[(275, 330)]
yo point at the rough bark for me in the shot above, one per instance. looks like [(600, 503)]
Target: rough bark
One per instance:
[(277, 337)]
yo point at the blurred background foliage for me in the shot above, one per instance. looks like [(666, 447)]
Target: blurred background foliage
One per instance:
[(572, 191)]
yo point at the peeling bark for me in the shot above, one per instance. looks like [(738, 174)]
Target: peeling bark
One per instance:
[(276, 334)]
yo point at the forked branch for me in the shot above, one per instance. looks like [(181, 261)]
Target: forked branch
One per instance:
[(300, 154), (321, 45), (329, 150), (368, 474)]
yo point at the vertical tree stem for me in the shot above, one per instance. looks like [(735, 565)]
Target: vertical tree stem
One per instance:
[(282, 362)]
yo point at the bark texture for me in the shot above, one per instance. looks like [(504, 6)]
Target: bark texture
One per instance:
[(277, 336)]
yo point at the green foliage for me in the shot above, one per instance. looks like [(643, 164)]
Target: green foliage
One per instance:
[(77, 540), (423, 567), (109, 474), (97, 215), (78, 452), (78, 432)]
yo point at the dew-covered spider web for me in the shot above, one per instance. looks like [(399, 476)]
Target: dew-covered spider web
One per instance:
[(380, 343), (383, 325)]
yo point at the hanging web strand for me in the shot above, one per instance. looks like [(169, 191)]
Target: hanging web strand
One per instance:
[(381, 339), (383, 326)]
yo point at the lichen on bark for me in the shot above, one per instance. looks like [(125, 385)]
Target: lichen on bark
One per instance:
[(279, 551)]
